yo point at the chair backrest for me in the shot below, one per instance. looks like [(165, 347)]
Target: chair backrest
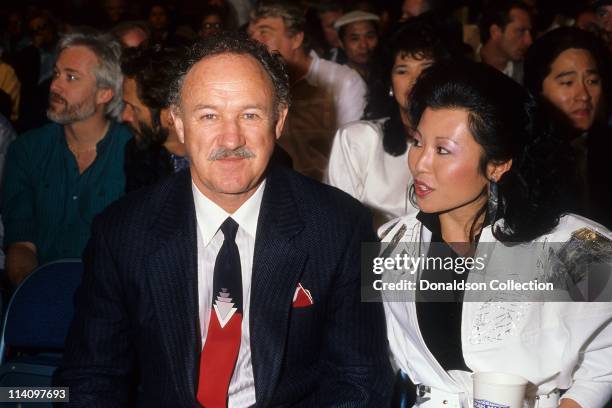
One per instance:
[(42, 307)]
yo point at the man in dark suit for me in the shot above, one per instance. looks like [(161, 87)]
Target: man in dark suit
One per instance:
[(236, 283)]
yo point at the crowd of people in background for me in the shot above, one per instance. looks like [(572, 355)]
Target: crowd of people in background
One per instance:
[(462, 120), (352, 65)]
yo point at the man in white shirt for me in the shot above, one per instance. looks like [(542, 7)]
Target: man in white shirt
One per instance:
[(505, 33), (325, 95), (280, 26), (235, 283)]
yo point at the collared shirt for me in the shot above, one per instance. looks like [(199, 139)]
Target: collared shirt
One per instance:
[(209, 218), (45, 199), (344, 83)]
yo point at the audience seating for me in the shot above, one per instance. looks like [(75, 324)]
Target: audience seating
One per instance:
[(36, 324)]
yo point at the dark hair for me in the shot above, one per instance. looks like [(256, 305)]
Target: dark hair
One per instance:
[(326, 6), (508, 123), (424, 36), (223, 12), (159, 3), (236, 43), (545, 50), (420, 38), (498, 13), (152, 68)]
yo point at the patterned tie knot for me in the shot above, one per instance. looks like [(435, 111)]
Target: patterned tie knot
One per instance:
[(229, 229)]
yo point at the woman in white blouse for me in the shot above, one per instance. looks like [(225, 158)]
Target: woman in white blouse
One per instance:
[(368, 158), (487, 180)]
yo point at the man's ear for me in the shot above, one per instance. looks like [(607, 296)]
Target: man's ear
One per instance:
[(496, 170), (280, 123), (495, 32), (104, 95), (297, 40), (165, 118), (178, 124)]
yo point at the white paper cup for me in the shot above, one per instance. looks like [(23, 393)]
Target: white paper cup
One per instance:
[(498, 390)]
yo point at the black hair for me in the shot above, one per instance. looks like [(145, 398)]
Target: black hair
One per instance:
[(326, 6), (146, 160), (236, 43), (545, 50), (420, 38), (152, 68), (498, 13), (509, 124)]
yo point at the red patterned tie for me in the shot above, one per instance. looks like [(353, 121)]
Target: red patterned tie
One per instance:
[(220, 352)]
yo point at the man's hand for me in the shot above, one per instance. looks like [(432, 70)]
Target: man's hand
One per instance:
[(20, 261), (569, 403)]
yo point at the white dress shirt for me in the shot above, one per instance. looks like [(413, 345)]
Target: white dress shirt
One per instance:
[(347, 87), (209, 218)]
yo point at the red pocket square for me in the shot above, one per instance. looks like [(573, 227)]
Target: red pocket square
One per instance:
[(302, 297)]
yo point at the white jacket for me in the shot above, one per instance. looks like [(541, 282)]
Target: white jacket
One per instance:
[(360, 166), (554, 345)]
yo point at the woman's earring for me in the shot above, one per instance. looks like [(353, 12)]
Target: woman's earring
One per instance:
[(493, 202), (391, 91)]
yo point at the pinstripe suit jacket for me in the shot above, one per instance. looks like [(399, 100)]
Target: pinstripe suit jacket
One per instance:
[(137, 308)]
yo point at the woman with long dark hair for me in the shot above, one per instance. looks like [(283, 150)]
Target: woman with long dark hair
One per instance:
[(368, 158), (488, 174)]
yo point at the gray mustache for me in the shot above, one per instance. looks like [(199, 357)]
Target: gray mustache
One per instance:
[(54, 95), (222, 153)]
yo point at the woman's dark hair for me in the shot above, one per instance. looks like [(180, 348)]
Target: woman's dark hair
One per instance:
[(543, 53), (420, 38), (509, 124)]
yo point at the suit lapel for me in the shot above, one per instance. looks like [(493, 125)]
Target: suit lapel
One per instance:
[(172, 277), (277, 266)]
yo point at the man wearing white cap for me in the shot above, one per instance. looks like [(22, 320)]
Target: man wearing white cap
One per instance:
[(358, 32)]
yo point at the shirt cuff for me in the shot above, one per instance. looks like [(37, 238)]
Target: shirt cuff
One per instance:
[(18, 232)]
